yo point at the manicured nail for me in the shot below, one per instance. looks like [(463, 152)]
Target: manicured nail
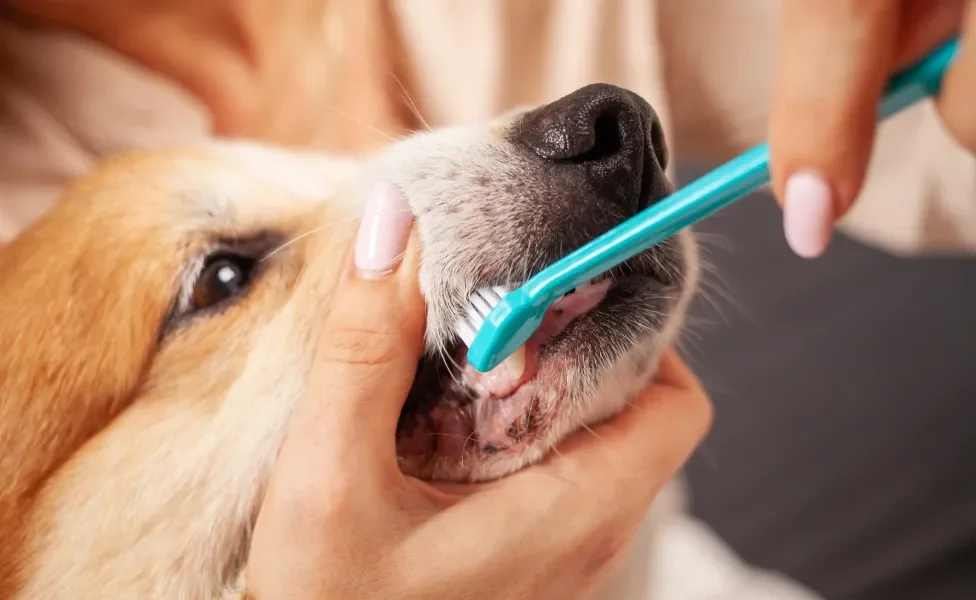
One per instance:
[(383, 233), (808, 214)]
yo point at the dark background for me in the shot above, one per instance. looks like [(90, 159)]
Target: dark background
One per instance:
[(844, 446)]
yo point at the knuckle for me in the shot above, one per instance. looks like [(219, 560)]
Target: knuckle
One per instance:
[(959, 121), (359, 345), (965, 135), (317, 500), (616, 485), (669, 458), (611, 469), (702, 414), (606, 549)]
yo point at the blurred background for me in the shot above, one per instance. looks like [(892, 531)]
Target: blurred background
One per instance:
[(844, 446)]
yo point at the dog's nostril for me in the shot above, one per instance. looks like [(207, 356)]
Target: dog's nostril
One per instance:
[(603, 141), (592, 124), (607, 139)]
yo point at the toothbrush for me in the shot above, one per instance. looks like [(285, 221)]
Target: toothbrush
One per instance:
[(497, 321)]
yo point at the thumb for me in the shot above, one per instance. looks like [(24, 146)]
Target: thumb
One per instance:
[(833, 63), (370, 343)]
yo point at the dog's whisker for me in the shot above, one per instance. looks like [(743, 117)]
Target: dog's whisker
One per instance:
[(464, 446), (452, 435), (398, 257), (306, 234), (451, 362), (591, 430), (410, 102), (562, 457), (301, 271), (359, 121)]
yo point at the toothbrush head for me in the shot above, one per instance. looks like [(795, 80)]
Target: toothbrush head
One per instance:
[(506, 326)]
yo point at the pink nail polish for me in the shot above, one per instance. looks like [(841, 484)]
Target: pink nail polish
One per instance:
[(808, 213), (383, 232)]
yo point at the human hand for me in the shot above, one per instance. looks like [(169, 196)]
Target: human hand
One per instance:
[(835, 57), (340, 520), (287, 72)]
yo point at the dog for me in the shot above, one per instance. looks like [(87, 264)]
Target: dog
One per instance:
[(155, 375), (160, 321)]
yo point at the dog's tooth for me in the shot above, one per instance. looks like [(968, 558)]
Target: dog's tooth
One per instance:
[(515, 364)]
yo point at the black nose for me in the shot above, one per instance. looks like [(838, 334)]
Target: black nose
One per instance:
[(610, 137)]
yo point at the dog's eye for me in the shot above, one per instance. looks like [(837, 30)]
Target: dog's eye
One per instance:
[(223, 277)]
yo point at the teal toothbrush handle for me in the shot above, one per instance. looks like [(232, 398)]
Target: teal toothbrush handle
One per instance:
[(518, 316)]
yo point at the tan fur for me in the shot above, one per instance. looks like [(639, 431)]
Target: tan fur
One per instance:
[(136, 452), (67, 423)]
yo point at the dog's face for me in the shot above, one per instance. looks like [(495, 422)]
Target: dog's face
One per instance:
[(165, 316)]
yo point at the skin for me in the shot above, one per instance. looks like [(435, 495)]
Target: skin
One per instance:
[(579, 509), (552, 530), (834, 59), (238, 57), (834, 56)]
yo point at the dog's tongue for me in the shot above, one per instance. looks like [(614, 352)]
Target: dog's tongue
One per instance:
[(503, 380), (568, 308)]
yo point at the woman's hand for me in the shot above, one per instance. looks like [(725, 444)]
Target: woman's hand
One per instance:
[(288, 72), (835, 57), (341, 521)]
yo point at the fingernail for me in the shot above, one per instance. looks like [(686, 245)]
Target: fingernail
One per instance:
[(808, 214), (383, 233)]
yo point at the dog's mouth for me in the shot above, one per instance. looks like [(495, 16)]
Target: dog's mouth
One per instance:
[(505, 379), (454, 410)]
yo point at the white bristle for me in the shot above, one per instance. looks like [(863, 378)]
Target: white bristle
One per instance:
[(466, 332), (480, 303)]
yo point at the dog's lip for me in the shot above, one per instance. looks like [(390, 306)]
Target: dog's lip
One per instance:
[(484, 419), (555, 324)]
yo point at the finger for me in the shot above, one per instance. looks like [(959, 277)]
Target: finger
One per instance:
[(585, 501), (370, 343), (637, 452), (835, 56), (595, 484), (925, 25), (629, 457), (673, 372), (958, 96)]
